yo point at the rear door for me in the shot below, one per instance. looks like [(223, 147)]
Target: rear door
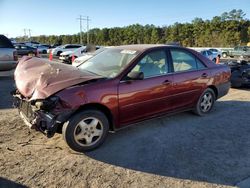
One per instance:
[(190, 78), (141, 99)]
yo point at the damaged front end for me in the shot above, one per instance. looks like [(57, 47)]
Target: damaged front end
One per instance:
[(37, 81), (46, 115)]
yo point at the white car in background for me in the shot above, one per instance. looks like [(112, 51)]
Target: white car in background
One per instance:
[(87, 56), (58, 50), (67, 55), (42, 49), (209, 55), (82, 59)]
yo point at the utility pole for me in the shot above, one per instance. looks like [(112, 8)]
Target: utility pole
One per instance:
[(87, 20), (29, 33), (24, 30), (80, 20)]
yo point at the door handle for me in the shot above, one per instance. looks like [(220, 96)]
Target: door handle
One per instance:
[(166, 82), (204, 75)]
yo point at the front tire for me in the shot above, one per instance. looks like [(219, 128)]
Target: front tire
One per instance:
[(86, 130), (58, 53), (205, 102)]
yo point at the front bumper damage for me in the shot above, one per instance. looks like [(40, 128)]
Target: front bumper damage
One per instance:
[(46, 122)]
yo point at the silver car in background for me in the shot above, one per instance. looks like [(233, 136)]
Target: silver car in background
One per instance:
[(8, 54), (209, 55)]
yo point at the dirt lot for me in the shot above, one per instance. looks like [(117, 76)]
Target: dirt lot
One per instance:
[(183, 150)]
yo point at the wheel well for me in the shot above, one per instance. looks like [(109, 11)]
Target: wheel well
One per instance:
[(100, 107), (214, 89)]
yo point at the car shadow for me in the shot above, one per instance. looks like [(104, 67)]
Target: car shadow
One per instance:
[(214, 148), (10, 184), (245, 88), (7, 85)]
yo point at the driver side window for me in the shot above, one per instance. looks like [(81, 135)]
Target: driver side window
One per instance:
[(152, 64)]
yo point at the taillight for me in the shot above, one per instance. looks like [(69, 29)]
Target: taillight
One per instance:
[(15, 56)]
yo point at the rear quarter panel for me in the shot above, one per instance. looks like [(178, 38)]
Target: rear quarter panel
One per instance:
[(221, 79), (219, 75)]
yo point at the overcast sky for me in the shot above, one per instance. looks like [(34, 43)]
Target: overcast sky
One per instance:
[(59, 16)]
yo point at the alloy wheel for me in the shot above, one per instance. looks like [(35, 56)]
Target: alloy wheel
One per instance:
[(206, 102), (88, 131)]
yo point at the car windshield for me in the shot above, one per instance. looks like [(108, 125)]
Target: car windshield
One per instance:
[(109, 63)]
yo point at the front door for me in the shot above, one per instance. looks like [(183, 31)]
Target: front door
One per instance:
[(140, 99)]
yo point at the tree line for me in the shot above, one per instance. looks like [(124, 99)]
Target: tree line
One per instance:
[(227, 30)]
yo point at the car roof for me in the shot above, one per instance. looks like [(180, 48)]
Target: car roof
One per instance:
[(143, 47)]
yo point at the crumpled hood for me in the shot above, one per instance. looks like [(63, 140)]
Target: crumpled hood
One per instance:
[(38, 78)]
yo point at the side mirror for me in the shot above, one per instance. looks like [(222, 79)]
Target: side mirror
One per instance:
[(135, 75)]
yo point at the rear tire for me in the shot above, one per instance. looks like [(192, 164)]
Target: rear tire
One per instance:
[(205, 102), (224, 55), (86, 130)]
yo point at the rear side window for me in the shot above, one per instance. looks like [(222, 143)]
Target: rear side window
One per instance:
[(5, 42), (184, 61), (24, 47), (72, 46), (204, 53), (75, 46), (209, 52)]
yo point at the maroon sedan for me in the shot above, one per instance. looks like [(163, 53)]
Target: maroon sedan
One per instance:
[(118, 87)]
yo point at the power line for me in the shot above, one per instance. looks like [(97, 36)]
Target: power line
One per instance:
[(84, 18)]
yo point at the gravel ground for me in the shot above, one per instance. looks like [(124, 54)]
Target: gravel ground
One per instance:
[(183, 150)]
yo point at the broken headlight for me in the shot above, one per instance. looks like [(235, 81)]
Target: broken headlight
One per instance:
[(46, 104)]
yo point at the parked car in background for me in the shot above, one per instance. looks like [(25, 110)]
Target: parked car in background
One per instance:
[(115, 88), (25, 50), (66, 56), (216, 52), (82, 59), (58, 50), (86, 56), (43, 48), (209, 55), (240, 73), (8, 54), (239, 51), (32, 44)]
